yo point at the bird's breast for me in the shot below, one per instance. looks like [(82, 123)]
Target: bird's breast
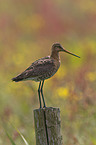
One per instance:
[(56, 66)]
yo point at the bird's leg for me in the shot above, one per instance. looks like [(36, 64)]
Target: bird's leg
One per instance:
[(39, 90), (42, 94)]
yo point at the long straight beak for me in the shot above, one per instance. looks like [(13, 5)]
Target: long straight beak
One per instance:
[(70, 53)]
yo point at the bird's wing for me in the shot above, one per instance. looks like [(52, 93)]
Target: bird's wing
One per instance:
[(37, 68)]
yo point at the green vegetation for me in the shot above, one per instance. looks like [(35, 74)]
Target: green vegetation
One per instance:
[(27, 31)]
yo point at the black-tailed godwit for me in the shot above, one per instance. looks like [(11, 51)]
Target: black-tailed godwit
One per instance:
[(43, 69)]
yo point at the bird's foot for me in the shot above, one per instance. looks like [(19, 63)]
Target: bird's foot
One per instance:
[(44, 106), (40, 107)]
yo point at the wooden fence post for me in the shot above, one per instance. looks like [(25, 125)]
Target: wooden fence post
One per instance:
[(47, 126)]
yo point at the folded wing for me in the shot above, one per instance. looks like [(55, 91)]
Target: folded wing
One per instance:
[(37, 69)]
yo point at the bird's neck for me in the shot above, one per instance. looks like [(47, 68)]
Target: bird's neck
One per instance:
[(55, 55)]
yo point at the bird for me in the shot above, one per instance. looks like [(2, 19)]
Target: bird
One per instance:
[(43, 69)]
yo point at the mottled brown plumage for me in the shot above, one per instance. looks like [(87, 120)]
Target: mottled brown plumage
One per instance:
[(43, 68), (40, 70)]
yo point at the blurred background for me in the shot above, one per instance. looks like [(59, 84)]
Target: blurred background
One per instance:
[(27, 31)]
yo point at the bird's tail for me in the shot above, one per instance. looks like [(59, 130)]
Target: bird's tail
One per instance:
[(17, 79)]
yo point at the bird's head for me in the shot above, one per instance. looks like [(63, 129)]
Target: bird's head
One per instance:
[(56, 47)]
